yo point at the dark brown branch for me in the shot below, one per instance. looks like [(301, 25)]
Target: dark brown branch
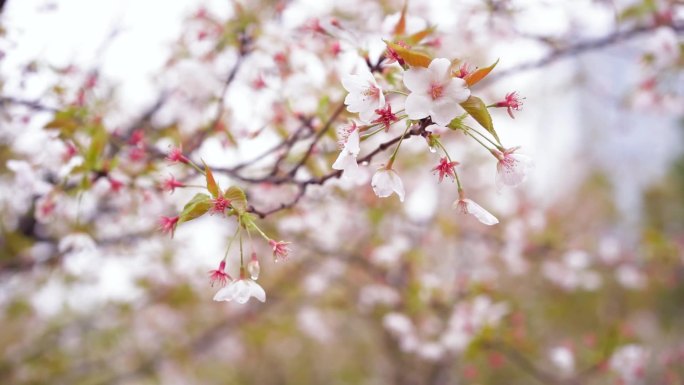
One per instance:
[(32, 104), (317, 138), (303, 185)]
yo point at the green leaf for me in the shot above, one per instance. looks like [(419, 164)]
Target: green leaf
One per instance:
[(211, 182), (479, 74), (237, 198), (411, 57), (195, 208), (66, 122), (476, 108), (99, 140)]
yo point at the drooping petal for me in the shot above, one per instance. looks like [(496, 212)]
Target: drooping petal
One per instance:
[(242, 291), (352, 145), (417, 106), (512, 169), (386, 182), (257, 291), (227, 293), (480, 213)]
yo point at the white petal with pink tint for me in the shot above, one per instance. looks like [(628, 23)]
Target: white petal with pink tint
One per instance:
[(346, 161), (468, 206), (365, 95), (385, 182), (512, 168), (434, 92), (241, 291)]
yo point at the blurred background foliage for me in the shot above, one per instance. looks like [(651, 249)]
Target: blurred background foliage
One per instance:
[(573, 287)]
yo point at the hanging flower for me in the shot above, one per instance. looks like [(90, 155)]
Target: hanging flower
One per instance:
[(434, 92), (176, 156), (346, 161), (385, 182), (170, 184), (445, 168), (511, 102), (241, 290), (280, 250), (511, 168), (467, 206), (167, 225), (365, 95), (219, 275)]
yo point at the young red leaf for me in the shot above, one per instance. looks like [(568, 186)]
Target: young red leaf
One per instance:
[(479, 74), (400, 28), (211, 182), (411, 57)]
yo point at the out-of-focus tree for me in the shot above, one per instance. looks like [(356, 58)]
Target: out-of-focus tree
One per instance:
[(281, 131)]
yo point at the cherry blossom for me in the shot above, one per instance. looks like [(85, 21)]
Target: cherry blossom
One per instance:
[(511, 102), (280, 249), (168, 224), (467, 206), (445, 168), (170, 184), (511, 169), (365, 95), (434, 92), (385, 116), (241, 290), (346, 161), (176, 156), (219, 275), (385, 182)]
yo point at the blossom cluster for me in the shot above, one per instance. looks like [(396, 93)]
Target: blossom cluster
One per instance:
[(436, 97)]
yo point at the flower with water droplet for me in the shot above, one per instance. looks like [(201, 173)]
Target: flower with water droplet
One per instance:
[(241, 290), (253, 267)]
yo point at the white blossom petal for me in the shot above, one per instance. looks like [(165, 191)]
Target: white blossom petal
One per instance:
[(385, 182), (477, 211), (439, 69), (257, 291), (444, 112), (417, 106), (417, 80), (226, 294)]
